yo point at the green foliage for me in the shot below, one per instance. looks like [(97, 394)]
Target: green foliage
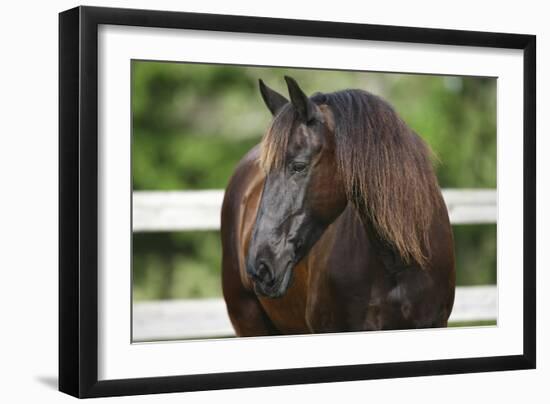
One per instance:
[(192, 123), (172, 265)]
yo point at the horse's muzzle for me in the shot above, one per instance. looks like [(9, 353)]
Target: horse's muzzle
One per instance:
[(262, 274), (266, 283)]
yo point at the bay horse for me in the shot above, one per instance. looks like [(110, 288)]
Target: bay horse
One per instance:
[(335, 222)]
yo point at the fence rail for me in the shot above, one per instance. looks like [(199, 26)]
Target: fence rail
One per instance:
[(200, 210), (207, 318)]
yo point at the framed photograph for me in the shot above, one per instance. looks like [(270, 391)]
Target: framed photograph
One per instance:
[(251, 201)]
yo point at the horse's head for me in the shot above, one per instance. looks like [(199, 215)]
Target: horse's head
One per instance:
[(302, 193)]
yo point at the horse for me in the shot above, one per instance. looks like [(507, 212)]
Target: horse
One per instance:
[(335, 222)]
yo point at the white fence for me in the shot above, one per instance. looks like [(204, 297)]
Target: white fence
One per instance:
[(180, 319), (200, 210)]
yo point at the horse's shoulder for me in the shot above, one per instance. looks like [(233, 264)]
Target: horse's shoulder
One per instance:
[(241, 202)]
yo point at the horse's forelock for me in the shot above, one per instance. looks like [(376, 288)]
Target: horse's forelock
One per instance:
[(275, 141)]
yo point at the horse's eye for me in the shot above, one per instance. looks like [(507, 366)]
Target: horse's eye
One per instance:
[(298, 167)]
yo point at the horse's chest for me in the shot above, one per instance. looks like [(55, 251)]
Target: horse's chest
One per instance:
[(287, 313)]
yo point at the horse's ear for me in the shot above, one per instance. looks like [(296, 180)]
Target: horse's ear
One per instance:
[(272, 98), (305, 107)]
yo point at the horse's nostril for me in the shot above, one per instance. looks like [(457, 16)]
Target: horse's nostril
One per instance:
[(264, 273), (297, 245)]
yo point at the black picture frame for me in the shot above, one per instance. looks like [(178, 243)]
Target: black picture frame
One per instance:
[(78, 200)]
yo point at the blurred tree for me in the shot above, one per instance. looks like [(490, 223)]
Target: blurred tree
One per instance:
[(192, 123)]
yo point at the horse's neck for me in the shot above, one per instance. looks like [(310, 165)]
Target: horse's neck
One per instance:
[(390, 258)]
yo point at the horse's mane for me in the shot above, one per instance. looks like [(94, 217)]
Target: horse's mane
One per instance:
[(386, 167)]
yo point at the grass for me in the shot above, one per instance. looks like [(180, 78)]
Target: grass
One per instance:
[(472, 323)]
